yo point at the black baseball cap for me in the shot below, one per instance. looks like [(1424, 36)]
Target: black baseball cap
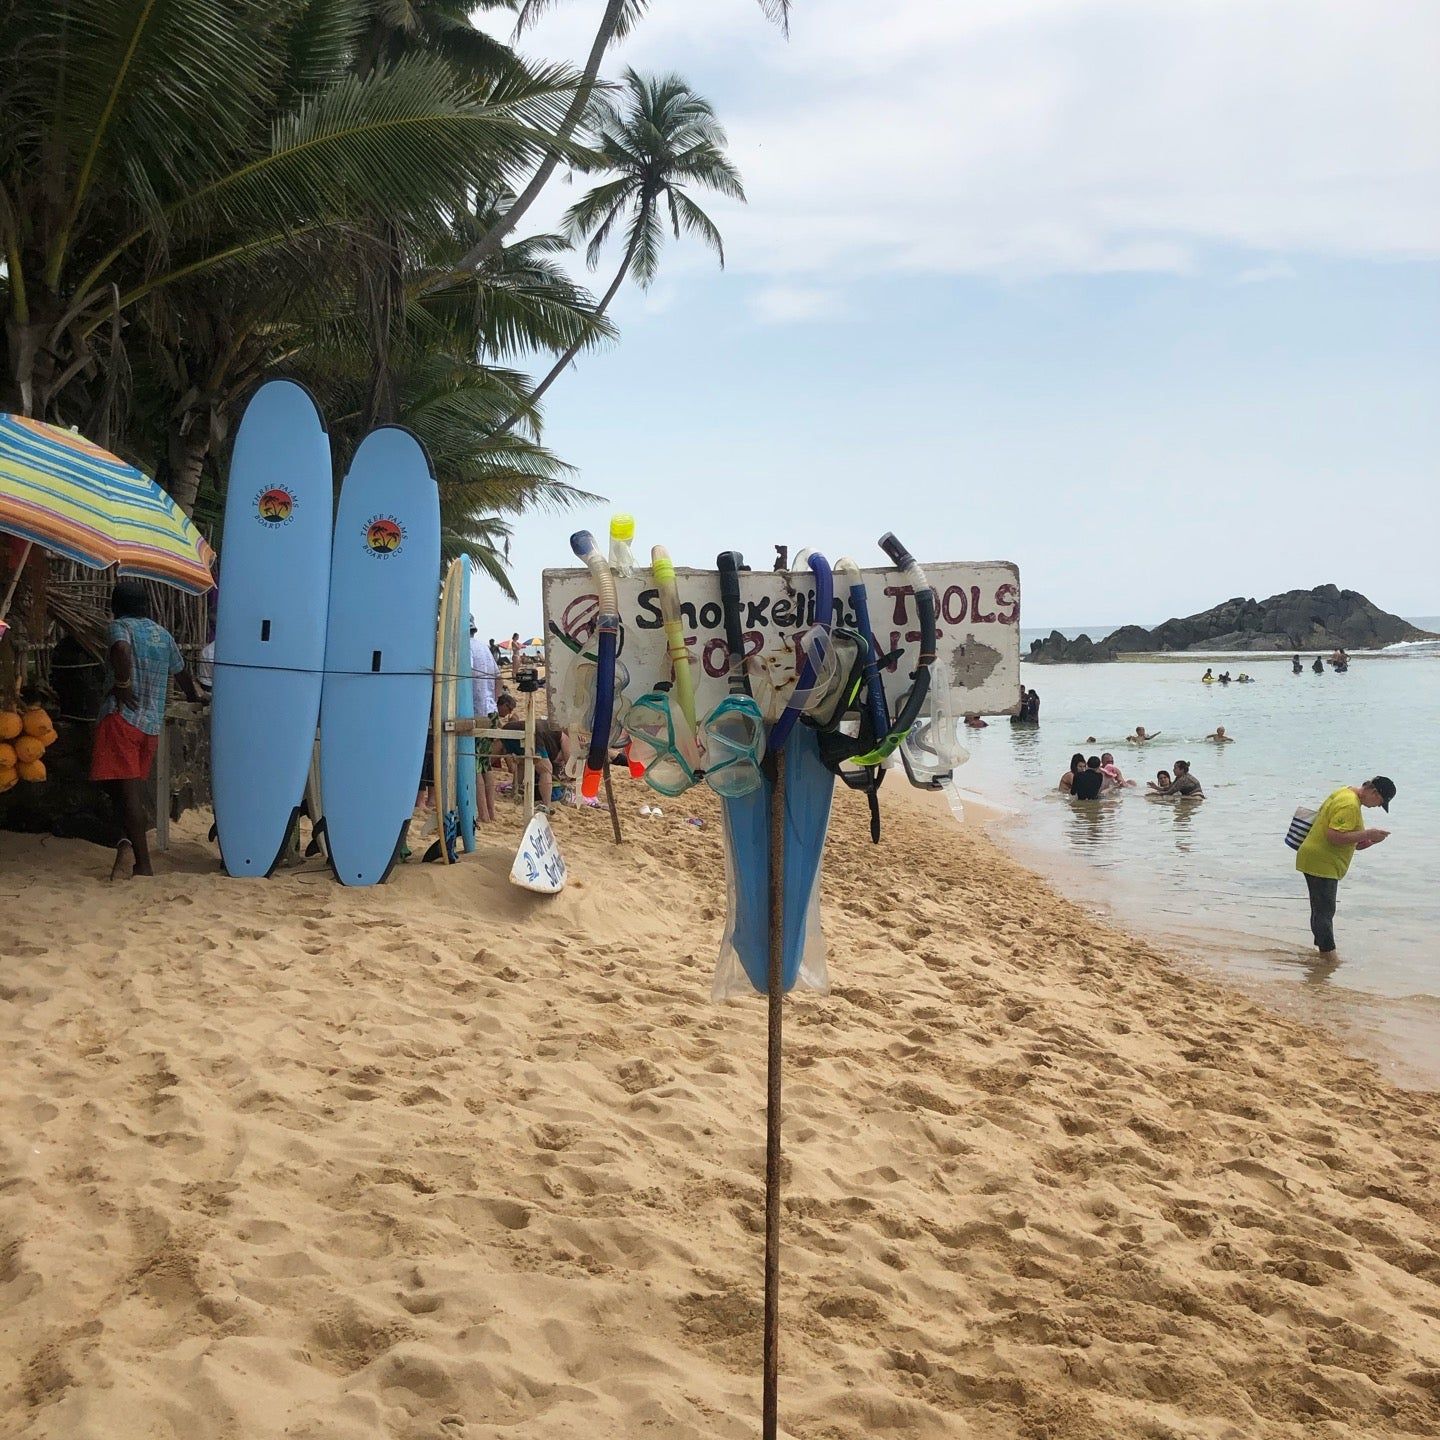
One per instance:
[(1386, 788)]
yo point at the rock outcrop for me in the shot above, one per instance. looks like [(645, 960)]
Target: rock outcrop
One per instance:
[(1320, 619)]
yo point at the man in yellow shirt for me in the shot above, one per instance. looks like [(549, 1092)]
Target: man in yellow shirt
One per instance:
[(1336, 833)]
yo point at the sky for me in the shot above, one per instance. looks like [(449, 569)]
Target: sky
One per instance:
[(1142, 296)]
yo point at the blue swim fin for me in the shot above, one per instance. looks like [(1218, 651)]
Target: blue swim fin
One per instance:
[(809, 790)]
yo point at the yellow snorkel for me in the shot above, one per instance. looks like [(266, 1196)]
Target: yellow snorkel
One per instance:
[(663, 568)]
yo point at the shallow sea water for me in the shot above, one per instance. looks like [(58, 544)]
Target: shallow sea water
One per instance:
[(1216, 873)]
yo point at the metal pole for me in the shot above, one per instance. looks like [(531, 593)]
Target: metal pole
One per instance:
[(775, 997)]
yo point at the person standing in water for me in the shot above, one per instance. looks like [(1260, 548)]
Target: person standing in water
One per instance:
[(1088, 782), (1111, 771), (141, 656), (1319, 666), (1183, 786), (1295, 666), (1077, 764), (1140, 736), (1324, 856)]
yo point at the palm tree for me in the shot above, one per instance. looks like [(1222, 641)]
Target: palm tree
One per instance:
[(443, 27), (660, 138), (447, 358), (616, 21), (148, 145)]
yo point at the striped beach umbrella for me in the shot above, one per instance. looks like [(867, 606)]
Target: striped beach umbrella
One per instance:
[(60, 492)]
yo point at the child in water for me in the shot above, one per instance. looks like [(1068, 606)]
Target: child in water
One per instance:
[(1161, 781)]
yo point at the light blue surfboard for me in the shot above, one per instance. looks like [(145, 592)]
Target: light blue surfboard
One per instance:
[(379, 652), (465, 783), (270, 627)]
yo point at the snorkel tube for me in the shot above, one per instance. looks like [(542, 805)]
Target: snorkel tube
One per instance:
[(607, 626), (622, 532), (663, 569), (728, 563), (816, 642), (914, 703), (875, 706)]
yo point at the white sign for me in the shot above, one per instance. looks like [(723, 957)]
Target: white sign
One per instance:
[(539, 865), (978, 621)]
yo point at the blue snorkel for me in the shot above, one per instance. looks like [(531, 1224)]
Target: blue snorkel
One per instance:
[(607, 625), (824, 621), (875, 706)]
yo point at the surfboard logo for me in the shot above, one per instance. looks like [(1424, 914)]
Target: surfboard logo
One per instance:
[(384, 535), (275, 506)]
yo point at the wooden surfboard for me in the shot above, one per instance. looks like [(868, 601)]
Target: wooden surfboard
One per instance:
[(379, 653), (445, 748), (467, 778)]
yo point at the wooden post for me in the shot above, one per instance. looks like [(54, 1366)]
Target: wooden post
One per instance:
[(774, 1000), (15, 579), (610, 801), (162, 788), (11, 671), (529, 766)]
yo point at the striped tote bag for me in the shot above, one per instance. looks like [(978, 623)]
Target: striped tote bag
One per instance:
[(1300, 824)]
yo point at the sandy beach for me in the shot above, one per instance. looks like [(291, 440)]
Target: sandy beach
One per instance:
[(444, 1159)]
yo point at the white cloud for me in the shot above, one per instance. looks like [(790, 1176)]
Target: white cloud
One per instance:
[(1043, 136), (1265, 273), (789, 304)]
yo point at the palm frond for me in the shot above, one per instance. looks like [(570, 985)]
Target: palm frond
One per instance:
[(687, 215)]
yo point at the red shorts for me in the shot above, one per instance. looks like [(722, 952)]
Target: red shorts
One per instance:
[(121, 751)]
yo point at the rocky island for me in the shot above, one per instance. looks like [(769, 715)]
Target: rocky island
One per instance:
[(1324, 618)]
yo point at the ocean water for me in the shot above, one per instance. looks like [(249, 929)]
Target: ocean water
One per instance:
[(1216, 875)]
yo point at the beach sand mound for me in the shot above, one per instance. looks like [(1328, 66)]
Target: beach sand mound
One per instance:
[(446, 1160)]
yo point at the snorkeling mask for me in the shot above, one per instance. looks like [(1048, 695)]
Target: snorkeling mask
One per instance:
[(731, 739)]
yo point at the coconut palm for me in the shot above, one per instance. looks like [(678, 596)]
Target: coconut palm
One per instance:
[(617, 19), (148, 145), (657, 138), (396, 28)]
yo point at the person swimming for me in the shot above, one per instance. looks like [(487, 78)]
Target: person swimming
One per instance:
[(1141, 736), (1221, 737)]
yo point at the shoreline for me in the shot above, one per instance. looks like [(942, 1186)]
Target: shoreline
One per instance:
[(1394, 1032), (446, 1158)]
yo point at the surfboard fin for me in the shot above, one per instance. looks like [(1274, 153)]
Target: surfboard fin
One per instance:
[(400, 852), (287, 844)]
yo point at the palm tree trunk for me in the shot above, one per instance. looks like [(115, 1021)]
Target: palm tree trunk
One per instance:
[(528, 408), (491, 241), (192, 437)]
